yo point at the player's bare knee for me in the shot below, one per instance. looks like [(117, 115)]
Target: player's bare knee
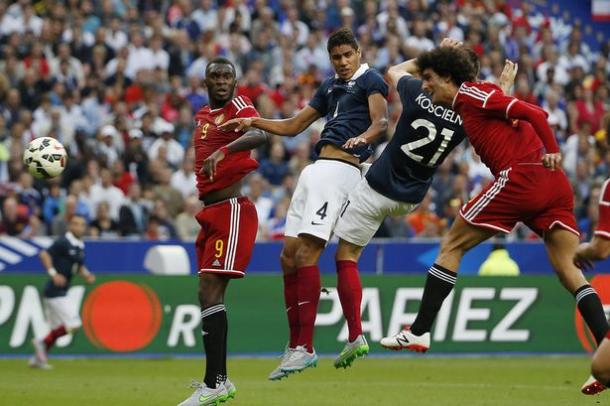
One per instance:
[(287, 262)]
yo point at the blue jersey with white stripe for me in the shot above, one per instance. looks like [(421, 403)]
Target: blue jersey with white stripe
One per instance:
[(346, 108), (424, 136)]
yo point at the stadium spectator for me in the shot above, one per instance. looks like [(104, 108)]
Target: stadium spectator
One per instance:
[(187, 226), (103, 226), (85, 65), (105, 191)]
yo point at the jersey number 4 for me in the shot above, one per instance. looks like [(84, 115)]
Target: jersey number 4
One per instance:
[(430, 137)]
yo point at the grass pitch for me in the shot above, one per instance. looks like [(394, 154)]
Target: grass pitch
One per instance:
[(513, 381)]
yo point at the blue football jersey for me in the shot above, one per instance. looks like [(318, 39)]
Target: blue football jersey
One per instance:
[(424, 136), (68, 255), (346, 108)]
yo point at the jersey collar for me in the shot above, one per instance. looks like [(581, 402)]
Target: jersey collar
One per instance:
[(74, 241), (361, 70)]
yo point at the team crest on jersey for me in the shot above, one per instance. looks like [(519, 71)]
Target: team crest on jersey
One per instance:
[(219, 119)]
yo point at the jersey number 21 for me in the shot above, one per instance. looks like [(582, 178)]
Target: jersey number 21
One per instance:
[(430, 137)]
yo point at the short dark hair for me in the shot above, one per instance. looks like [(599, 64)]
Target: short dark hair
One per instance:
[(454, 63), (222, 61), (343, 36)]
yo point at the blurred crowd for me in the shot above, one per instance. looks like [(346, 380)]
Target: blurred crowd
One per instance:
[(118, 83)]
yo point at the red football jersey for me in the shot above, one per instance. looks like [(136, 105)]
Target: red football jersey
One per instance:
[(497, 138), (603, 224), (207, 138)]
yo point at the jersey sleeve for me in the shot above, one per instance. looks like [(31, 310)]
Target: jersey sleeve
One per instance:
[(486, 98), (408, 87), (244, 108), (319, 101), (374, 83)]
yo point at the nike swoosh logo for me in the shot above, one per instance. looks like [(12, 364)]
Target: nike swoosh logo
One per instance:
[(313, 223), (288, 309), (302, 303)]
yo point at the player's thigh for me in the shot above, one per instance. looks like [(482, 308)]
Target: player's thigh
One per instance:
[(226, 241), (600, 367), (363, 212), (294, 215), (461, 237), (62, 311), (561, 245), (328, 185)]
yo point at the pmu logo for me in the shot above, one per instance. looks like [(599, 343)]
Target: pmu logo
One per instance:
[(121, 316), (601, 283)]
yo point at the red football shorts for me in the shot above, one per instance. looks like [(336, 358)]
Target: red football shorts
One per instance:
[(228, 230), (530, 193), (603, 223)]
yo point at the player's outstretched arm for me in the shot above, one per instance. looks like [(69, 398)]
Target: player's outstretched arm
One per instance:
[(507, 78), (47, 262), (378, 111), (254, 138), (596, 250), (286, 127)]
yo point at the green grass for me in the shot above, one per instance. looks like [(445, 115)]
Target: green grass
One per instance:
[(374, 381)]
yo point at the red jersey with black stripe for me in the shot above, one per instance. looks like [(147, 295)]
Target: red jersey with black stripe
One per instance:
[(603, 223), (207, 138), (497, 137)]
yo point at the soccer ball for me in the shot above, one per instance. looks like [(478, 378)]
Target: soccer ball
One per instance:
[(45, 158)]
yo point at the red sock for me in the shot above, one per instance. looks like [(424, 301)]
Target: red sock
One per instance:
[(309, 295), (350, 295), (291, 298), (53, 335)]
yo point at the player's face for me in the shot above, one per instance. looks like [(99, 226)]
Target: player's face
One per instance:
[(440, 89), (220, 81), (345, 60), (78, 226)]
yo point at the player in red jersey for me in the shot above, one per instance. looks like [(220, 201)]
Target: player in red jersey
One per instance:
[(228, 222), (514, 140), (596, 250)]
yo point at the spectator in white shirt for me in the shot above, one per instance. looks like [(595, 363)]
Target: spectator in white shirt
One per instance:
[(256, 185), (106, 191), (160, 55), (311, 54), (174, 151), (206, 16), (418, 42), (140, 57), (184, 179), (116, 38)]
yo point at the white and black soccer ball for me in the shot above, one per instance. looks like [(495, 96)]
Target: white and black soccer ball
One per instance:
[(45, 157)]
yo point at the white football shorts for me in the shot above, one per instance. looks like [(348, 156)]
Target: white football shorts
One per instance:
[(364, 211), (321, 190), (61, 310)]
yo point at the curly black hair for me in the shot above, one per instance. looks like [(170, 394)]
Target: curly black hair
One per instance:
[(343, 36), (454, 63)]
